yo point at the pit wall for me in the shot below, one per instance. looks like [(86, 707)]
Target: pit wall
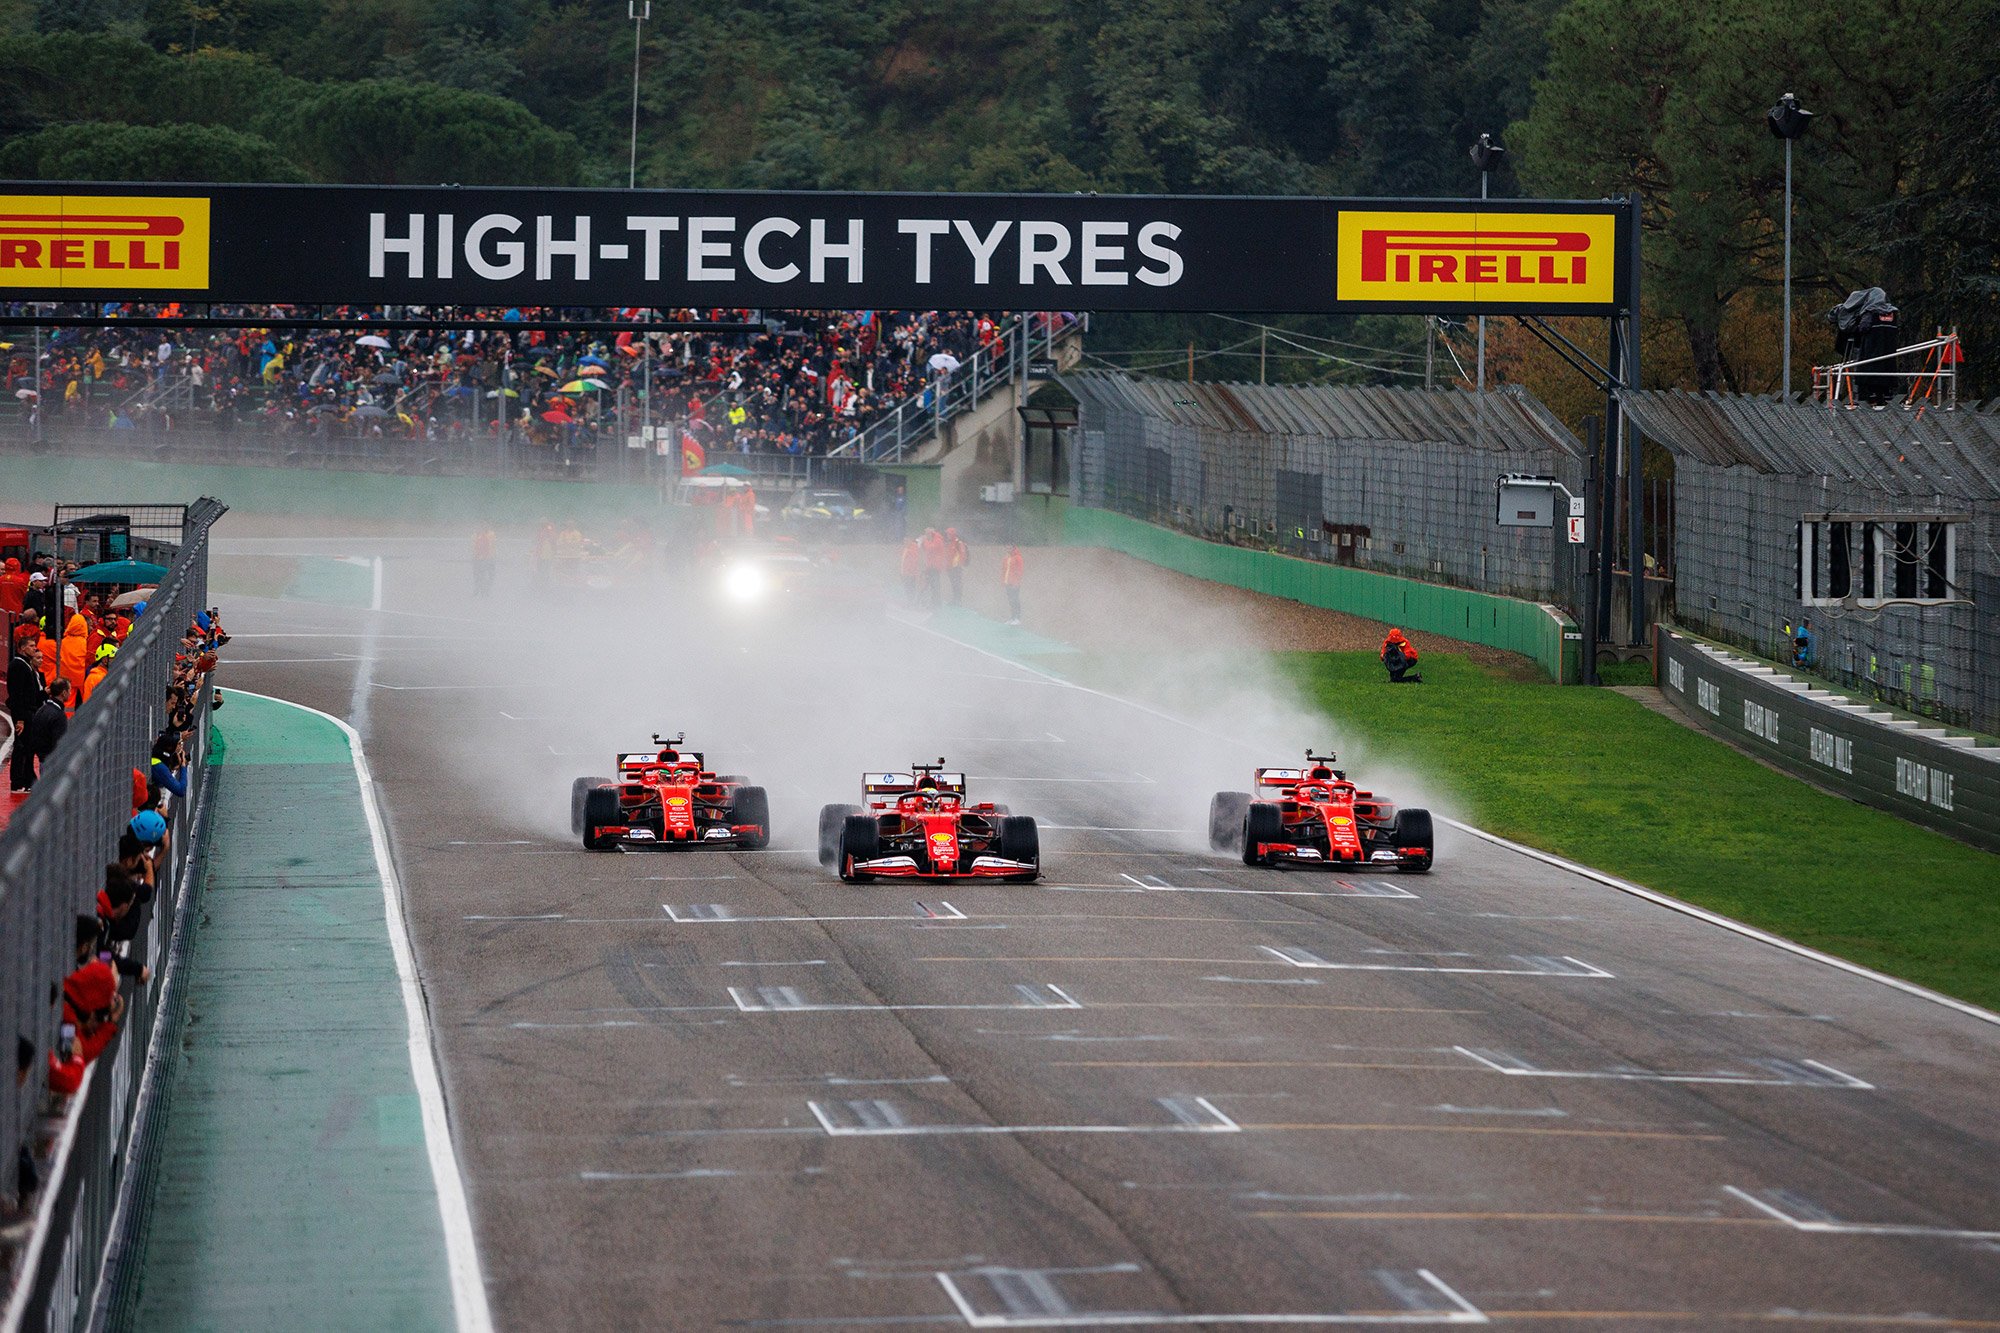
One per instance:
[(270, 490), (1529, 628)]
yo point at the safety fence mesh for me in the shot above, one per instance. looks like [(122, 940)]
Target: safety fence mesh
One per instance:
[(1750, 471), (1401, 481)]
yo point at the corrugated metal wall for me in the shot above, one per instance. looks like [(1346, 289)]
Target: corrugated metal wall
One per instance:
[(1262, 464)]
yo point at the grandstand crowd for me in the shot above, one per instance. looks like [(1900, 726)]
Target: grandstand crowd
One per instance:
[(63, 645), (802, 384)]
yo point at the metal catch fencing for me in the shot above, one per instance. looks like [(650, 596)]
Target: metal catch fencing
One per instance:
[(52, 858), (1877, 526), (1402, 481)]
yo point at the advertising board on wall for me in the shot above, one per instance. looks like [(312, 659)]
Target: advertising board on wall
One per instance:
[(300, 244), (1870, 756)]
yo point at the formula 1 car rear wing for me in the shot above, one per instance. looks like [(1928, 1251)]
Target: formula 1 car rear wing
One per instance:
[(895, 784), (1283, 780), (646, 759)]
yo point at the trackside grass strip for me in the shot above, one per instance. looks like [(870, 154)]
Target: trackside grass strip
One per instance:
[(1596, 777)]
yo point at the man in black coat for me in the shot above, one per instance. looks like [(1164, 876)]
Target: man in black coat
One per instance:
[(25, 693), (47, 727)]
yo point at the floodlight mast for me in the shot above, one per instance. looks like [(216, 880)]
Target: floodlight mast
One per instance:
[(638, 11), (1788, 121), (1485, 155)]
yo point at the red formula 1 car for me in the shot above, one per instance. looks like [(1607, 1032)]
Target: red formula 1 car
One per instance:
[(918, 825), (1315, 816), (666, 797)]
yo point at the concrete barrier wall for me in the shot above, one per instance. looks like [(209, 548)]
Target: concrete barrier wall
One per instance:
[(1529, 628), (1915, 769)]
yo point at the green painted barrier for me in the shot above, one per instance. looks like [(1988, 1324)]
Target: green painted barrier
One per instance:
[(1529, 628)]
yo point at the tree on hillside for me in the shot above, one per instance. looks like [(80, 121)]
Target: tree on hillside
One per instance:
[(1668, 98), (397, 132), (113, 152), (1943, 233)]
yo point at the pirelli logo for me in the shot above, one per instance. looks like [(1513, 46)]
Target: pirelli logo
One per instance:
[(1559, 258), (98, 241)]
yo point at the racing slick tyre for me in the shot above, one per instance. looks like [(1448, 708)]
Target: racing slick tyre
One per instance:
[(749, 805), (600, 807), (860, 840), (1262, 823), (1225, 820), (1020, 840), (577, 791), (1413, 829), (831, 820)]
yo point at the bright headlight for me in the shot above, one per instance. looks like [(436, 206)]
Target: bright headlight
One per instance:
[(744, 583)]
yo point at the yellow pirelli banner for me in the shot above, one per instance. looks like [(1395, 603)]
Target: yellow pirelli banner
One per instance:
[(100, 241), (1485, 258)]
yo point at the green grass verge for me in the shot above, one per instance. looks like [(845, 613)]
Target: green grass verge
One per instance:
[(1596, 777)]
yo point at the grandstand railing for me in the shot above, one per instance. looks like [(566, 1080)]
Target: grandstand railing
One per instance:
[(52, 858), (920, 417)]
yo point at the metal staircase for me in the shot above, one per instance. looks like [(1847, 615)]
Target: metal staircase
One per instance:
[(921, 417)]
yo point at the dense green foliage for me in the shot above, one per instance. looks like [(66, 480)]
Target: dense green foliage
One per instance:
[(1896, 182)]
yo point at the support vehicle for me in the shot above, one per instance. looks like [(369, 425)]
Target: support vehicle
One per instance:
[(667, 797), (919, 825), (1315, 816)]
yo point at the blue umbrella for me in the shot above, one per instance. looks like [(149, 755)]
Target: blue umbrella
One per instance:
[(119, 571), (592, 361)]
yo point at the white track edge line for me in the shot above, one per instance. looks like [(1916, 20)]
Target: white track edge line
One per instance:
[(1598, 876), (1727, 923), (468, 1283)]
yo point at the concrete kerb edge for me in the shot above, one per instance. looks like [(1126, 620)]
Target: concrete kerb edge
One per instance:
[(1560, 863), (468, 1284)]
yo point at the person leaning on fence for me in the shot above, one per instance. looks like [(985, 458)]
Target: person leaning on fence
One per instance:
[(118, 908), (1399, 655), (1011, 568), (91, 1008)]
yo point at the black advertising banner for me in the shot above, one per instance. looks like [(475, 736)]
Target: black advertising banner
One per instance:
[(1836, 742), (333, 245)]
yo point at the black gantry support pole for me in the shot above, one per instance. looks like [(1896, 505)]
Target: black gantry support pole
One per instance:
[(1606, 544), (1592, 513), (1635, 542)]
